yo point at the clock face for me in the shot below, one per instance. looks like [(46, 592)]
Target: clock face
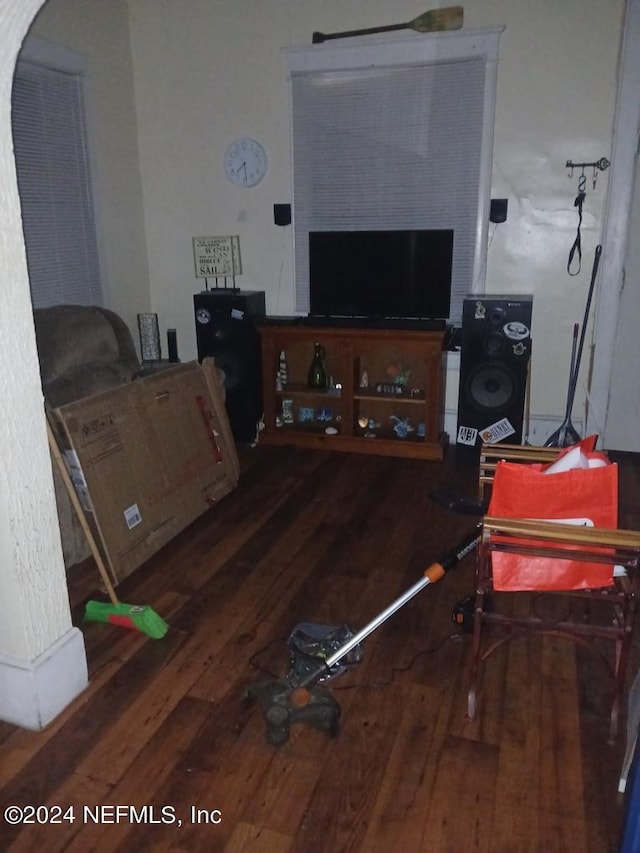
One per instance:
[(245, 162)]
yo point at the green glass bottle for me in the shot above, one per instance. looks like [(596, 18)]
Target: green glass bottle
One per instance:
[(317, 376)]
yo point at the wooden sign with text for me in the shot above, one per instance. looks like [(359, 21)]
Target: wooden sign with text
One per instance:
[(217, 257)]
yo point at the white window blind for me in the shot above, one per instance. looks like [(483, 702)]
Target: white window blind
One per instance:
[(395, 133), (54, 184), (389, 148)]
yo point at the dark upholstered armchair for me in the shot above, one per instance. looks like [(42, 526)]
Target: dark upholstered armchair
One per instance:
[(82, 350)]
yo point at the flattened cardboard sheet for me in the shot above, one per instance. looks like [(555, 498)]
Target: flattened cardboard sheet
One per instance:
[(150, 457)]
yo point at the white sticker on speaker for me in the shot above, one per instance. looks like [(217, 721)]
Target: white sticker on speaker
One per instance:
[(237, 314), (497, 431), (467, 435), (516, 331)]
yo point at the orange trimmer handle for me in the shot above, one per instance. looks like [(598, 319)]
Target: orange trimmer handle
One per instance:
[(434, 572)]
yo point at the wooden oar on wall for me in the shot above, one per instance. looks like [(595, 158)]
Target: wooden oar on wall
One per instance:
[(437, 20)]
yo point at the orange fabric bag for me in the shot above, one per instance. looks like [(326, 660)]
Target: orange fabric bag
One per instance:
[(582, 495)]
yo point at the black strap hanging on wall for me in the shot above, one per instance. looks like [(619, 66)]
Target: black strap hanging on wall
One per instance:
[(575, 253), (576, 249)]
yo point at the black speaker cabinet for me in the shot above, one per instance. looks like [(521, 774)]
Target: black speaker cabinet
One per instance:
[(494, 359), (226, 328)]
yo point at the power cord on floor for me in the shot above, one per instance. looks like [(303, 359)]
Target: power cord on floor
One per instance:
[(454, 637), (396, 669)]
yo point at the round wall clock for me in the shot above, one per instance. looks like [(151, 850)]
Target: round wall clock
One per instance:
[(245, 162)]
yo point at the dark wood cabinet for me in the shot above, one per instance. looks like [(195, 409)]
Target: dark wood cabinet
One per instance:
[(385, 391)]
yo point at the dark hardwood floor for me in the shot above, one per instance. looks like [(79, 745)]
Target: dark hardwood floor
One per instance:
[(328, 538)]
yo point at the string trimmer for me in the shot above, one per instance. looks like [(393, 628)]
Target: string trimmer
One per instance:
[(300, 698)]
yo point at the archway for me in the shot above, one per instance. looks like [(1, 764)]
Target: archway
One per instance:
[(42, 656)]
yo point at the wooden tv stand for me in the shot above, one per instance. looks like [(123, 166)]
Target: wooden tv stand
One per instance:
[(405, 371)]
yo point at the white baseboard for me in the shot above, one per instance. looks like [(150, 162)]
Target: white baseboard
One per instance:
[(33, 693)]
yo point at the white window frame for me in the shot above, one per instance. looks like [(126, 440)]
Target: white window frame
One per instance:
[(355, 53)]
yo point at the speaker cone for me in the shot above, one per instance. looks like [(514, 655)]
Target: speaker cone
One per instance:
[(497, 315), (494, 344), (491, 386)]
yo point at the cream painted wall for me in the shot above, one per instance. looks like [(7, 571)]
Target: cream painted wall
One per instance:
[(205, 73), (555, 102), (100, 31)]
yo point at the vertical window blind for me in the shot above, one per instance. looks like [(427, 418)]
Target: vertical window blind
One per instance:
[(54, 185), (389, 148)]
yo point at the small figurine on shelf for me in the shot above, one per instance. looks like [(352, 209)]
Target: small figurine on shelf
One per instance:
[(371, 427), (364, 379), (283, 371), (287, 411), (331, 386), (324, 413), (402, 427)]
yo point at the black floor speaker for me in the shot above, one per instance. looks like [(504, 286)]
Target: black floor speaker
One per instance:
[(226, 328), (494, 361)]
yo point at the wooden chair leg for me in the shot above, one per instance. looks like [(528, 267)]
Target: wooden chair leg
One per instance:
[(474, 680), (618, 672), (623, 652)]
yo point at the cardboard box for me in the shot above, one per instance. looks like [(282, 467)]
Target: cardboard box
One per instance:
[(147, 458)]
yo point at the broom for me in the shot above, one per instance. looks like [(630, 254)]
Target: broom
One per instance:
[(138, 617)]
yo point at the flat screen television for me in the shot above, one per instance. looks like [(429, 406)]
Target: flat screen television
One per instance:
[(401, 274)]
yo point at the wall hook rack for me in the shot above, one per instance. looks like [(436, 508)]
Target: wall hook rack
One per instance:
[(597, 166)]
